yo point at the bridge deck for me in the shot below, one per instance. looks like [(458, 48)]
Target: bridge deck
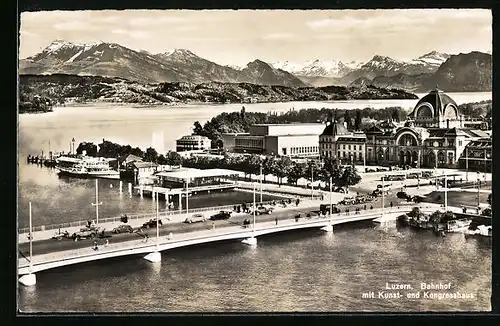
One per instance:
[(68, 257)]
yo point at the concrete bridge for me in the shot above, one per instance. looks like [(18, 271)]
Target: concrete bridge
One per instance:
[(154, 246)]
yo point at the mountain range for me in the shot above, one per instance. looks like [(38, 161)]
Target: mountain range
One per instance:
[(462, 72), (114, 60), (459, 73)]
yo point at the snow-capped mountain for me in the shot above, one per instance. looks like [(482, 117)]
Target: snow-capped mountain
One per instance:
[(267, 75), (434, 59), (310, 68), (458, 73), (354, 64), (114, 60)]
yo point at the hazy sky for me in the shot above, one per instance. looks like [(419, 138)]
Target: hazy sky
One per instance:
[(238, 37)]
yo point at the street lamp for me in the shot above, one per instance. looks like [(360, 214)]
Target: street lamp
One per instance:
[(383, 195), (478, 188), (97, 203), (466, 164), (260, 180), (312, 180)]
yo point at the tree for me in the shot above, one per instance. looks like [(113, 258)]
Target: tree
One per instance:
[(173, 158), (242, 112), (357, 120), (197, 128), (330, 169), (283, 166), (349, 177), (151, 155), (395, 116), (297, 171), (89, 148), (347, 119), (161, 160)]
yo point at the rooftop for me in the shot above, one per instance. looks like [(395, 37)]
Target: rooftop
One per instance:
[(287, 124), (189, 173)]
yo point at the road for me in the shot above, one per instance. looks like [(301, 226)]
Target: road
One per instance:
[(51, 245)]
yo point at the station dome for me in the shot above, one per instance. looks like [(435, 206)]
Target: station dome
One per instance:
[(435, 105)]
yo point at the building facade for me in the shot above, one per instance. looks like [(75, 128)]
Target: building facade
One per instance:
[(292, 140), (337, 142), (433, 136), (192, 143)]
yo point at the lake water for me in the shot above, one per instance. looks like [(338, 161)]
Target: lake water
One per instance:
[(302, 271)]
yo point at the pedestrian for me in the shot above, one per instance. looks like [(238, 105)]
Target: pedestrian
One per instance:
[(364, 207), (96, 247), (146, 237), (371, 207), (276, 220), (107, 243), (391, 204), (213, 226)]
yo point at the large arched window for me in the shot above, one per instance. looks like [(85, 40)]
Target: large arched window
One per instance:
[(407, 140), (450, 113), (424, 111)]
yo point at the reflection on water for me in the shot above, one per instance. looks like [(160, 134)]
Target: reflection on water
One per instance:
[(307, 270)]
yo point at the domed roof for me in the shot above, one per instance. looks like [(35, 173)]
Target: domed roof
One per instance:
[(438, 100), (336, 128)]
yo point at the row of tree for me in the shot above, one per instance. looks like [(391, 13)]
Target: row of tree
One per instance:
[(279, 166)]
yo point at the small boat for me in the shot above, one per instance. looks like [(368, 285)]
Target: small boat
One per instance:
[(482, 230), (461, 225)]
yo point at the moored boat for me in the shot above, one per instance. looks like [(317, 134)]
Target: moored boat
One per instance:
[(97, 167), (461, 225)]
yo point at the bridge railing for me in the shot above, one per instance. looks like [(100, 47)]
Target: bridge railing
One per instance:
[(135, 216)]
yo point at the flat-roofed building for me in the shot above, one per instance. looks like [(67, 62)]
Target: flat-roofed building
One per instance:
[(292, 140), (192, 143)]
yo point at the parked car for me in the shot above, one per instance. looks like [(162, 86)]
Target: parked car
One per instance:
[(152, 223), (87, 233), (347, 201), (124, 228), (195, 219), (222, 215), (404, 195), (264, 210)]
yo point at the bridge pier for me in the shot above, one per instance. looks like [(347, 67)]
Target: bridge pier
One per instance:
[(153, 257), (327, 228), (28, 279), (252, 241)]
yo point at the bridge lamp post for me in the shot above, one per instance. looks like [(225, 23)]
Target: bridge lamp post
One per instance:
[(30, 278), (260, 180), (157, 224), (254, 206), (329, 226), (445, 192), (187, 197), (383, 193), (466, 164), (97, 203), (478, 187)]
